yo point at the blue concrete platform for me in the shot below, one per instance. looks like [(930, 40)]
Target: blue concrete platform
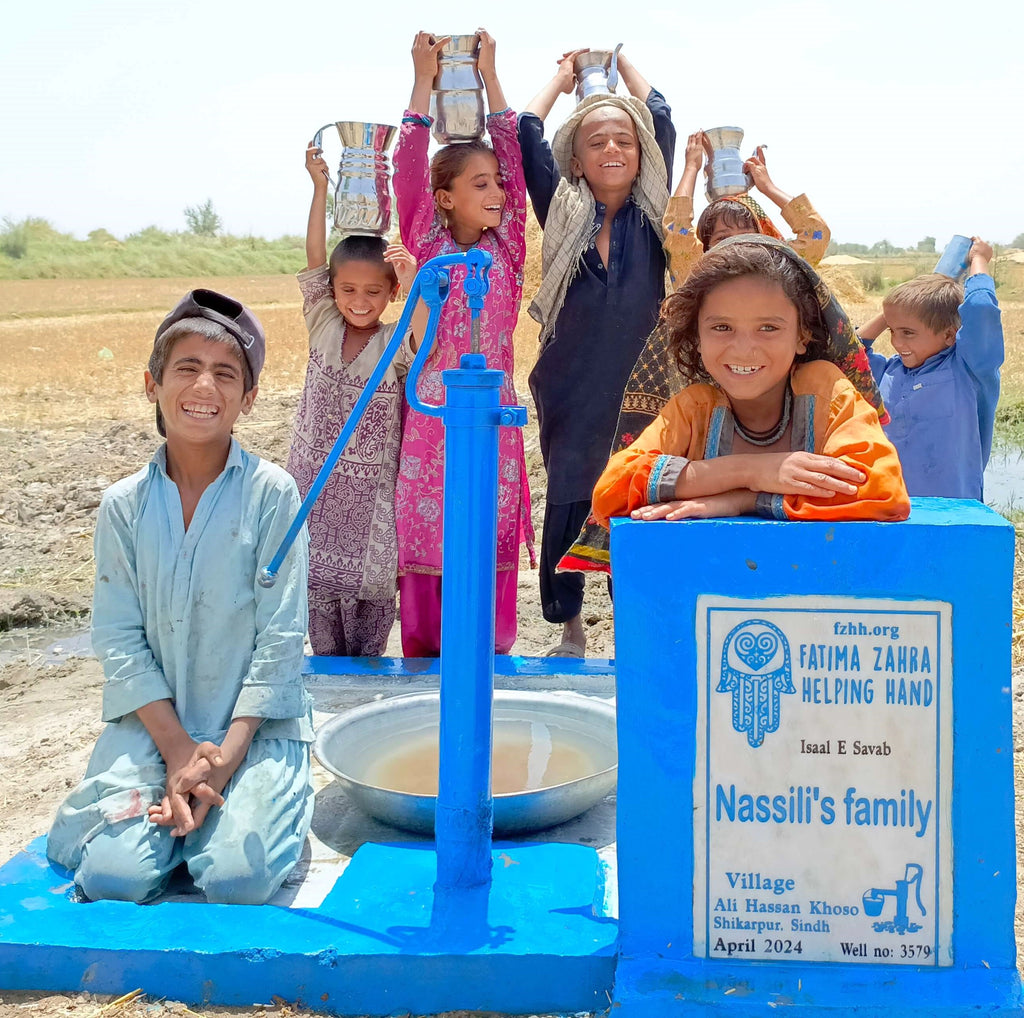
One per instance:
[(380, 943), (669, 988)]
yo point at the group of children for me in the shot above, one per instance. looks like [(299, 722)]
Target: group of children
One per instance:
[(746, 391)]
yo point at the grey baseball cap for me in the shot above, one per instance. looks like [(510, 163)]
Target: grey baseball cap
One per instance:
[(229, 313)]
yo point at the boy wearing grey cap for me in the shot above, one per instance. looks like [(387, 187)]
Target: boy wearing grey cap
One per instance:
[(204, 758)]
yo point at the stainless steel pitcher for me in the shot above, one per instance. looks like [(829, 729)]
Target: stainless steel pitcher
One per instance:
[(597, 72), (726, 175), (457, 101), (362, 193)]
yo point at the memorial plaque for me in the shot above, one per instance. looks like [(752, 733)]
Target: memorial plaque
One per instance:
[(822, 789)]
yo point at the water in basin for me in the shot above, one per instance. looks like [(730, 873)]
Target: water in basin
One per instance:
[(525, 756)]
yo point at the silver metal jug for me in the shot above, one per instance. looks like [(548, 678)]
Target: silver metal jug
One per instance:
[(597, 72), (725, 163), (457, 101), (955, 258), (362, 194)]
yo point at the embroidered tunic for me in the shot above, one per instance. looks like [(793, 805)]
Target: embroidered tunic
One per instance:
[(419, 496), (353, 547)]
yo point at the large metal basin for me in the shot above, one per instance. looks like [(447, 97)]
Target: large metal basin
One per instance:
[(574, 732)]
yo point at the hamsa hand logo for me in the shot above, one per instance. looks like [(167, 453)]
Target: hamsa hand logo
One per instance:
[(756, 670)]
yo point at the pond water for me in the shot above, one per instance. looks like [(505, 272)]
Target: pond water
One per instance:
[(1004, 478), (42, 645)]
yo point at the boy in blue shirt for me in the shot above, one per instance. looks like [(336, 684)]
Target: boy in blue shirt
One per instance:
[(204, 758), (942, 385)]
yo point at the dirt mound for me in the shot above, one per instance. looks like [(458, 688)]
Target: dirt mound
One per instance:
[(844, 284), (843, 260), (28, 606)]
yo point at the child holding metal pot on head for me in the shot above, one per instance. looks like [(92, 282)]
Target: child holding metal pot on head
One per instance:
[(353, 548), (736, 214), (204, 759), (775, 422), (599, 192), (942, 384), (469, 194)]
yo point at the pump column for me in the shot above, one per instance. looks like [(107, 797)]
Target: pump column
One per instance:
[(464, 816)]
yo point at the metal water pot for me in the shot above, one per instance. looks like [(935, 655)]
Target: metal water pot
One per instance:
[(362, 194), (955, 258), (597, 72), (726, 175), (457, 101)]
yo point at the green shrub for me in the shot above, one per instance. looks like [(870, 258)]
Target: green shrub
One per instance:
[(14, 239), (872, 279)]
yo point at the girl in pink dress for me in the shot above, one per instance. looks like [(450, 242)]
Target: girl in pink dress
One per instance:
[(467, 195)]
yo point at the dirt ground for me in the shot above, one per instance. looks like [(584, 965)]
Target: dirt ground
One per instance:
[(73, 419)]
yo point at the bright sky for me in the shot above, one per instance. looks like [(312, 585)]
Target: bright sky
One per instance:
[(899, 120)]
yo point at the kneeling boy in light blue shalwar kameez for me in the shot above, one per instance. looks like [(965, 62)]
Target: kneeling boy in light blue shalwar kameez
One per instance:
[(205, 756)]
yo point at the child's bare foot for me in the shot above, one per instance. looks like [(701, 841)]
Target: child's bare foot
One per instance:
[(574, 640)]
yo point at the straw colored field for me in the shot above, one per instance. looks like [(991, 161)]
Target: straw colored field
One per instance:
[(53, 334), (63, 341)]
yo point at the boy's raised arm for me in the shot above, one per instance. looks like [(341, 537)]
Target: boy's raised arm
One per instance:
[(637, 84), (561, 84), (539, 167), (980, 340), (979, 256)]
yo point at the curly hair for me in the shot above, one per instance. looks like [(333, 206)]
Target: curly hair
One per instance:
[(681, 310)]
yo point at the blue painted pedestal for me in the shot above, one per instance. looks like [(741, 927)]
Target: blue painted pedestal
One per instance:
[(954, 561), (382, 942)]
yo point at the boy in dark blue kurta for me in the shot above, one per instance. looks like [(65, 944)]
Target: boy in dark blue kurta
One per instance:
[(942, 385), (599, 193)]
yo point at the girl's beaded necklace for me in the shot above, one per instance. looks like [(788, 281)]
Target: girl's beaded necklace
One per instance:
[(772, 435)]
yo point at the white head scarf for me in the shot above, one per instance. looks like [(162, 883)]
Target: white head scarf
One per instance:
[(571, 216)]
